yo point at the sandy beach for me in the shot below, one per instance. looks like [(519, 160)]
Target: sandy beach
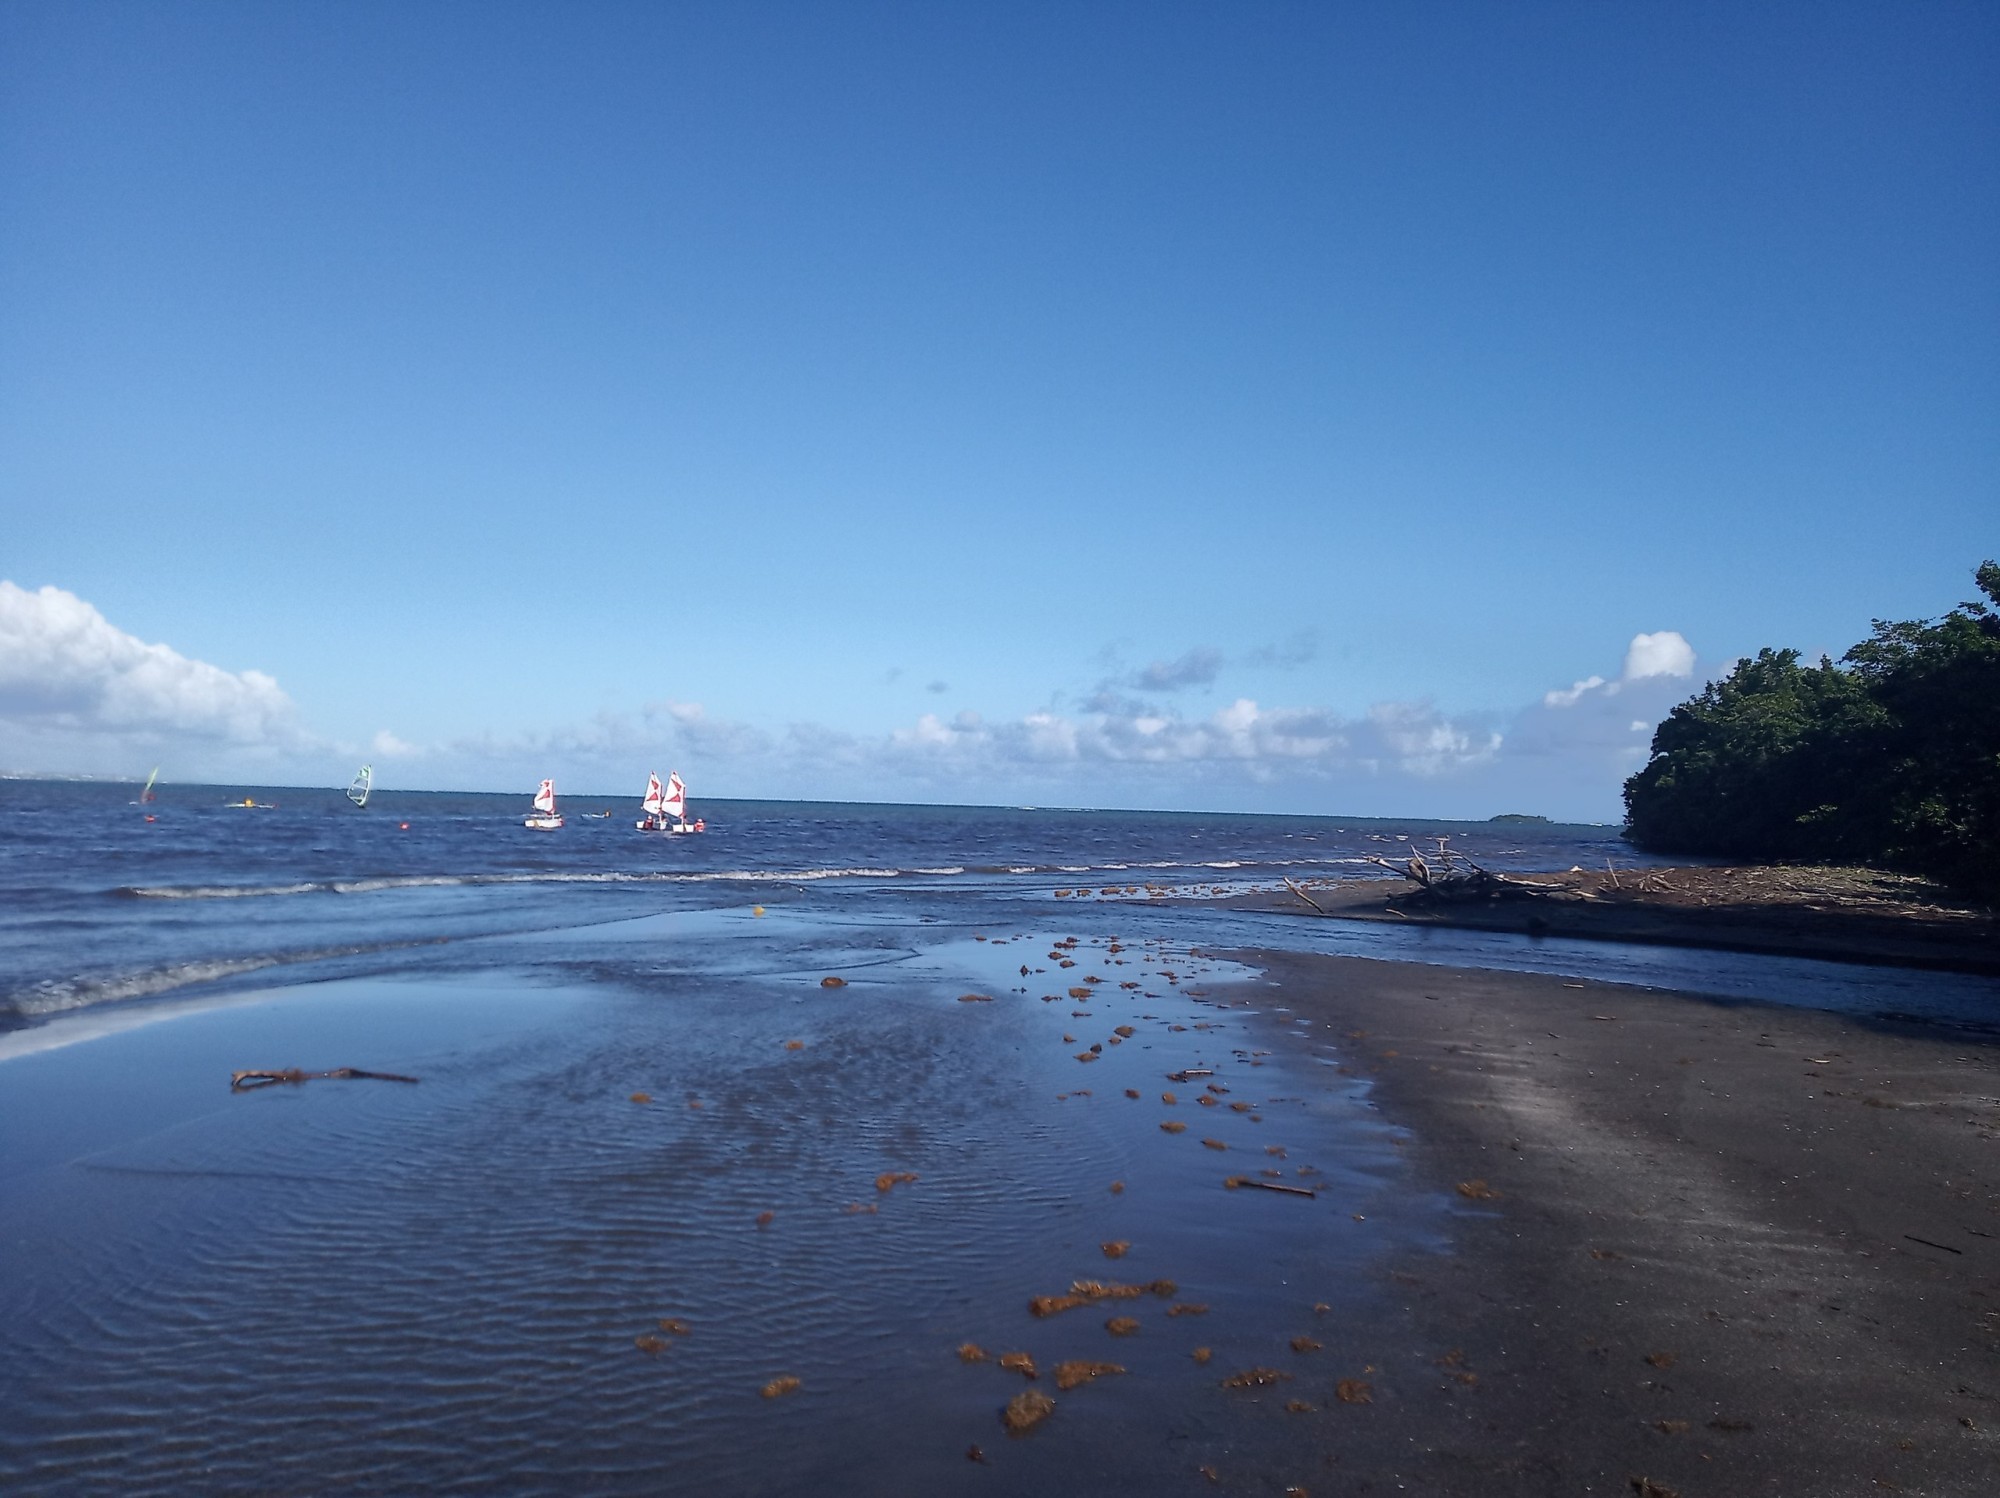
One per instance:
[(1720, 1248)]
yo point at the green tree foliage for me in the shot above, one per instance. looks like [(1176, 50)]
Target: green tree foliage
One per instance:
[(1891, 757)]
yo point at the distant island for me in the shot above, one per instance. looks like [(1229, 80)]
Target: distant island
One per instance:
[(1518, 818), (1889, 758)]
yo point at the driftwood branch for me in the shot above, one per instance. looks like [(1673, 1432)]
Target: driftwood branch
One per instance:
[(1234, 1182), (1451, 876), (250, 1081), (1294, 888)]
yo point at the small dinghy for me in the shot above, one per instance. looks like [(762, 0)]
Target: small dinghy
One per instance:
[(545, 816)]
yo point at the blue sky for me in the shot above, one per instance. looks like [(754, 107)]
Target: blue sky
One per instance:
[(1249, 406)]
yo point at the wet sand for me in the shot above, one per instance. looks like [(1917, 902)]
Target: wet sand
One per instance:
[(1843, 915), (1718, 1247)]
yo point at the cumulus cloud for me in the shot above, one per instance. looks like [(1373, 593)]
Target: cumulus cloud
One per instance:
[(1662, 654), (67, 672), (387, 746)]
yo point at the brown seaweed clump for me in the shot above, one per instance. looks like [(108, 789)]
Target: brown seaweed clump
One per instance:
[(1077, 1372), (1201, 1354), (1174, 1126), (1019, 1362), (1306, 1344), (642, 1097), (971, 1352), (795, 1045), (1477, 1191), (1026, 1410), (674, 1326), (1254, 1378), (1079, 993), (765, 1219), (1122, 1326), (889, 1180), (975, 998), (1354, 1391), (1188, 1308), (649, 1344), (1213, 1144), (833, 983), (1116, 1249), (1131, 1092), (778, 1388), (1050, 1305)]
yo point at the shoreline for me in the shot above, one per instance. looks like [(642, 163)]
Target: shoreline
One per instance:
[(1721, 1247), (1852, 916)]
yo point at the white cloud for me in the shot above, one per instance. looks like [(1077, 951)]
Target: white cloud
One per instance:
[(1662, 654), (1567, 696), (387, 746), (68, 676)]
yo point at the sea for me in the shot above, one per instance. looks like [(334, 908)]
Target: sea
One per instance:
[(728, 1163)]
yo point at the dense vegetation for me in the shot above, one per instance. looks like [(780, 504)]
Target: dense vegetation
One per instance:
[(1890, 757)]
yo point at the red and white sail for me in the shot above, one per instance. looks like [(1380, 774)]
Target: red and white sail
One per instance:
[(654, 803), (545, 798), (674, 803)]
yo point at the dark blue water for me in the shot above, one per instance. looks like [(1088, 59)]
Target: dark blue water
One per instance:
[(99, 904)]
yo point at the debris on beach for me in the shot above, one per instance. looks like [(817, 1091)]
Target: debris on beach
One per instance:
[(833, 983), (1165, 1289), (1079, 1371), (1299, 1407), (975, 998), (1169, 1099), (1202, 1354), (777, 1388), (974, 1454), (1122, 1326), (1050, 1305), (1306, 1344), (890, 1179), (971, 1352), (795, 1045), (1188, 1308), (250, 1081), (1254, 1378), (1131, 1092), (1019, 1362), (1026, 1410), (1645, 1487), (1661, 1360), (1116, 1249), (674, 1326), (1236, 1183), (1213, 1144), (1477, 1191), (1354, 1391), (765, 1219), (1174, 1126), (649, 1344), (858, 1209), (1117, 1188), (1079, 993), (642, 1097)]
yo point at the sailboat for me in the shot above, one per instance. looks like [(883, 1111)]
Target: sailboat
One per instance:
[(146, 797), (363, 783), (666, 810), (545, 814), (654, 806)]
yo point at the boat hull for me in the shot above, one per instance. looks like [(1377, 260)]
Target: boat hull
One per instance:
[(543, 824)]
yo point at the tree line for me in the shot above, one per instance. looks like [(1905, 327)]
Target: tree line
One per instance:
[(1889, 757)]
